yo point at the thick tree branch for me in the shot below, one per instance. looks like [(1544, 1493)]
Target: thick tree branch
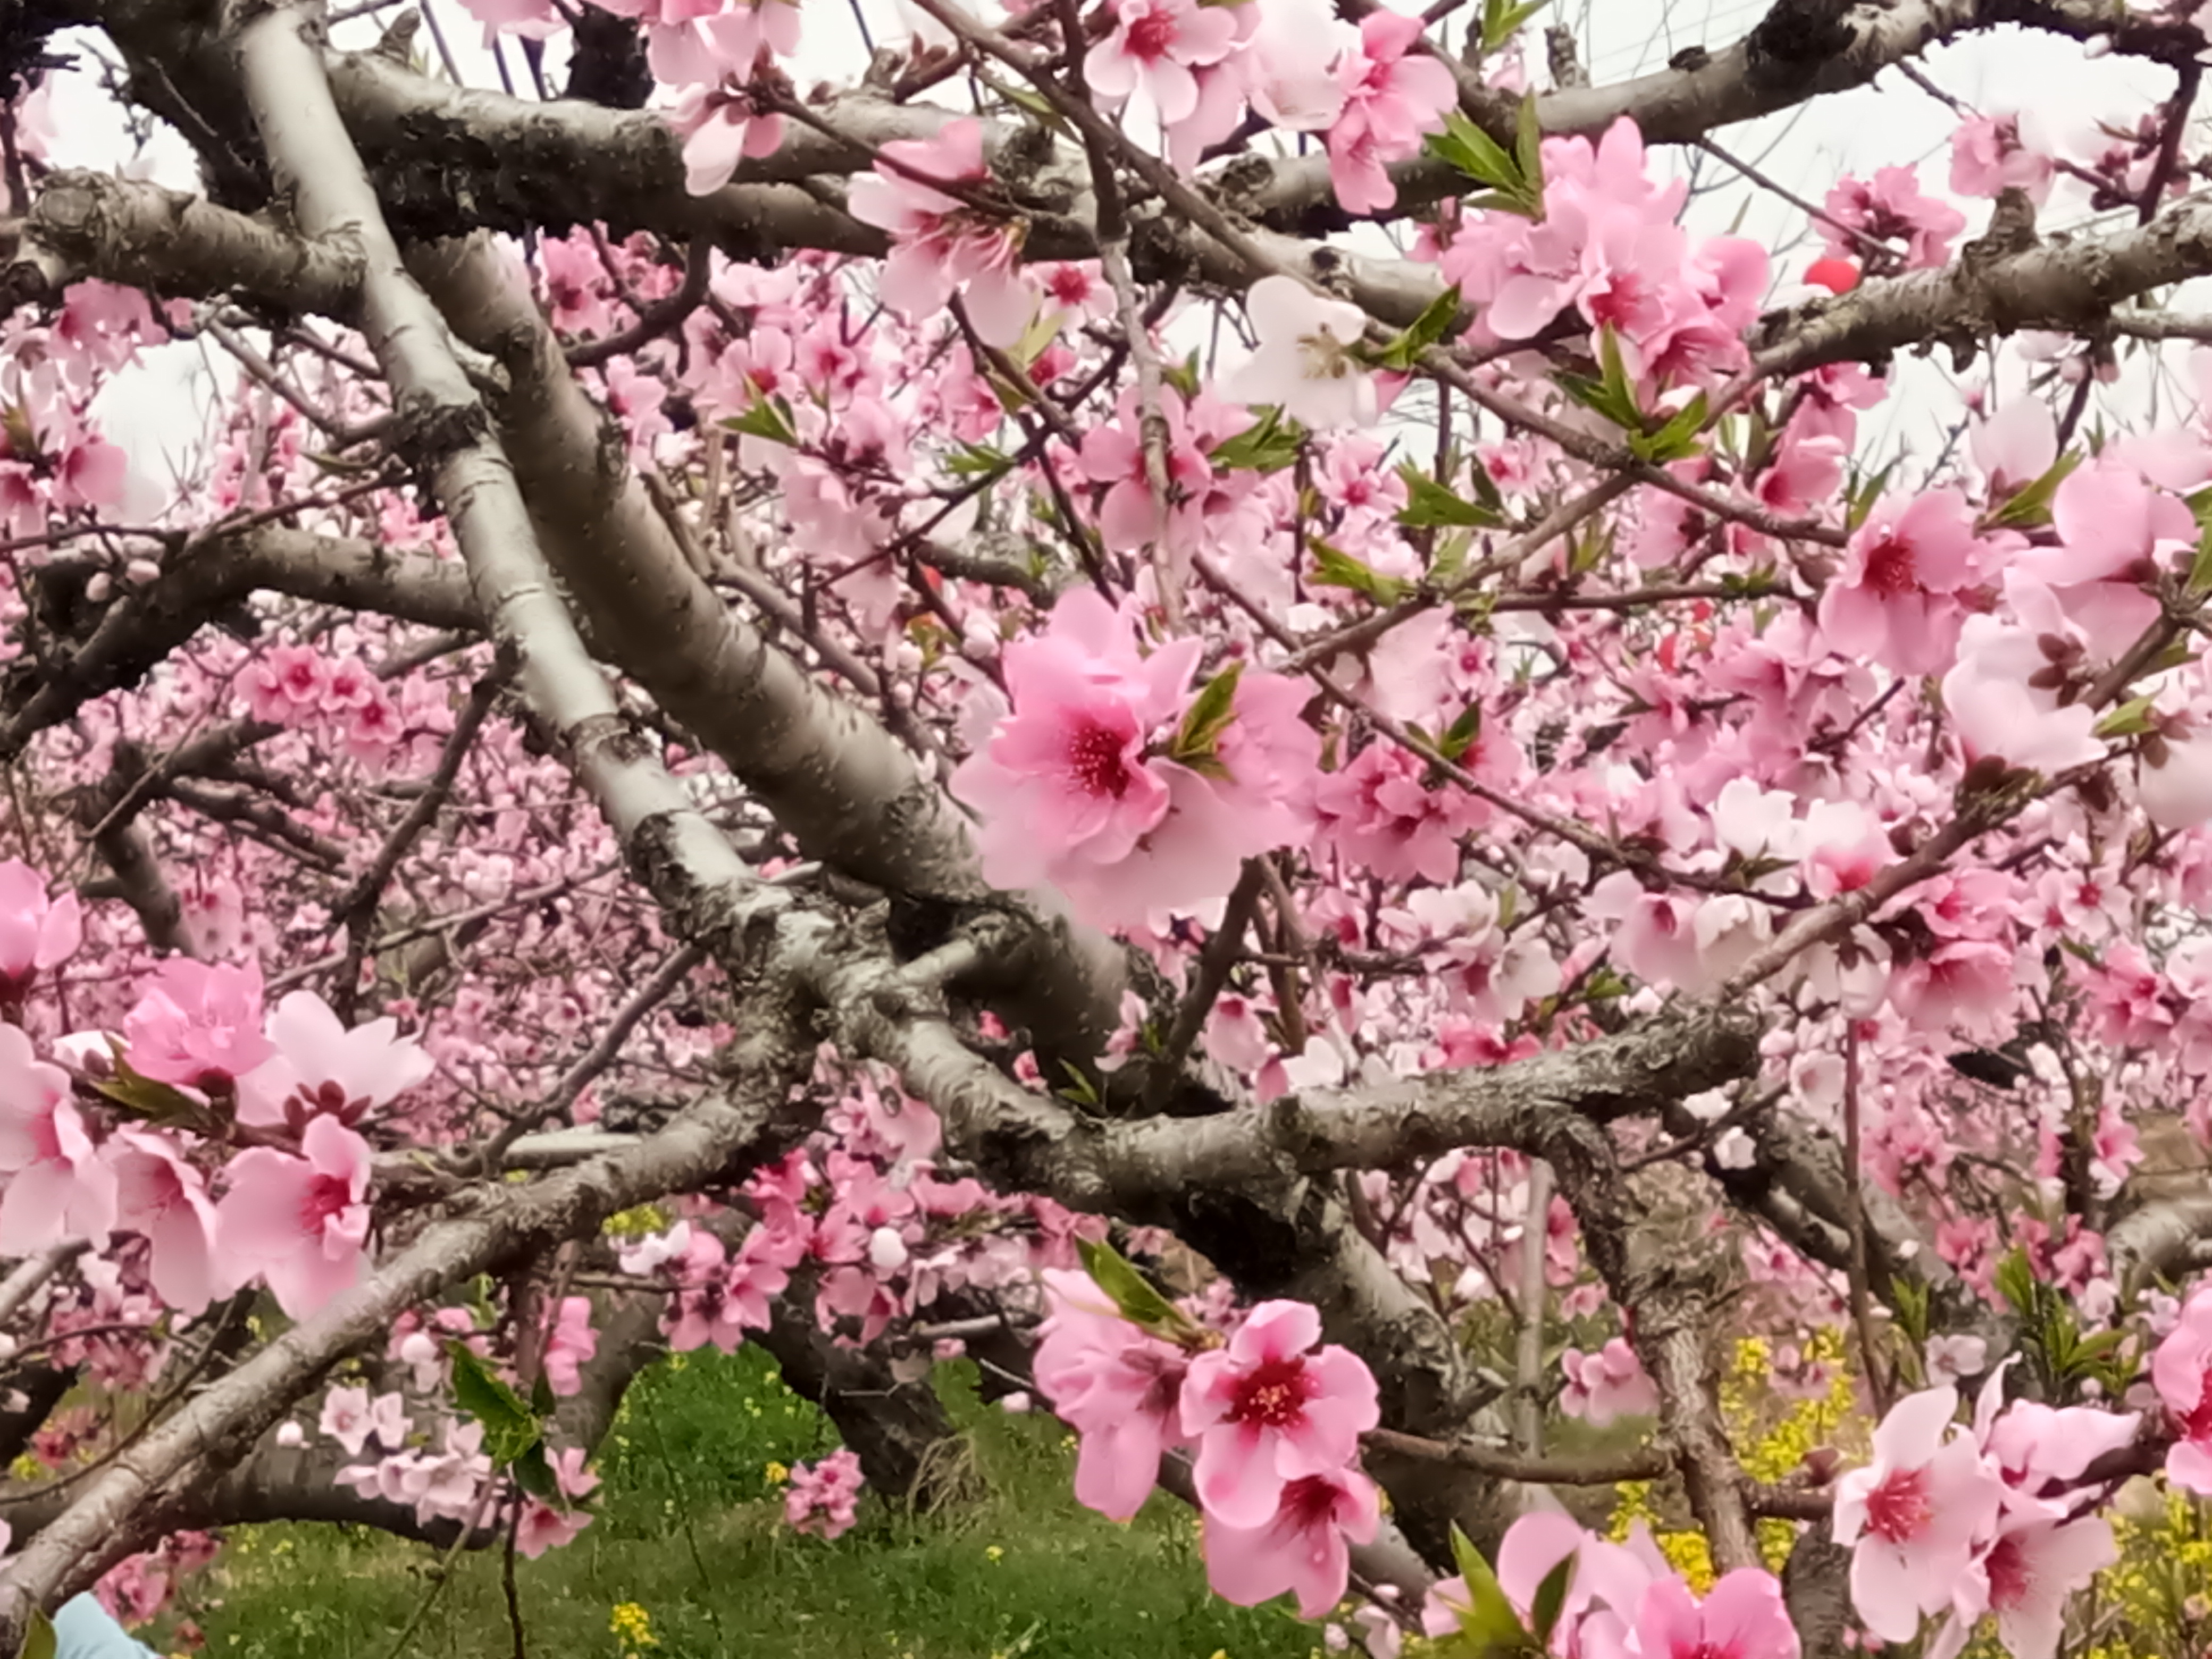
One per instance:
[(88, 224), (834, 779)]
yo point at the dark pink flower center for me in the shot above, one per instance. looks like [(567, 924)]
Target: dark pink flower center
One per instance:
[(2009, 1579), (1309, 1502), (2197, 1422), (1896, 1509), (1096, 758), (1272, 1394), (326, 1195), (1152, 35), (1891, 570)]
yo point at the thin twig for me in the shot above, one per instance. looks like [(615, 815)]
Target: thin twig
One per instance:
[(1855, 1216)]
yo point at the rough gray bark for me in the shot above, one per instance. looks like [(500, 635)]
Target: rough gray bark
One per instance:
[(86, 224)]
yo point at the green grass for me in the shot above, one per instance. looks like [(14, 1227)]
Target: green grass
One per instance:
[(690, 1528)]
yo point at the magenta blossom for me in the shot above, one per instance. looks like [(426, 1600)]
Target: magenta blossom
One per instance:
[(721, 128), (822, 1498), (1268, 1409), (300, 1223), (1068, 772), (1890, 210), (1741, 1617), (1302, 1547), (1115, 1386), (2029, 1573), (1083, 783), (1988, 156), (1393, 95)]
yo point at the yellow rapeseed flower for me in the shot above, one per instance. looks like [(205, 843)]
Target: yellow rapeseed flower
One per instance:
[(634, 1624)]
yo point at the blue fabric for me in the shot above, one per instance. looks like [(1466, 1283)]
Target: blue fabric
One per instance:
[(82, 1630)]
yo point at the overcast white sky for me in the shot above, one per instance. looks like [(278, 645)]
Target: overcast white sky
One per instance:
[(154, 412)]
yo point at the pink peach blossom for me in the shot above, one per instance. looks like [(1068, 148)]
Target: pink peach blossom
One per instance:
[(1608, 1384), (1913, 1516), (1302, 1547), (1269, 1409), (300, 1223), (1893, 600), (198, 1025), (38, 933), (58, 1187), (1155, 45), (1115, 1386), (160, 1195)]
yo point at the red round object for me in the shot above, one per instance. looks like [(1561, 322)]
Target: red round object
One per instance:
[(1837, 276)]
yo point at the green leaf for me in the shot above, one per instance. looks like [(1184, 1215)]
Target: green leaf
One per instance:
[(1551, 1600), (1487, 1624), (1863, 493), (2030, 505), (1611, 396), (2015, 1282), (2130, 719), (38, 1638), (1910, 1298), (1078, 1087), (510, 1427), (1459, 736), (770, 418), (1615, 368), (1431, 326), (160, 1103), (1502, 21), (1268, 445), (1676, 440), (1429, 505), (1130, 1291), (1334, 567), (976, 461), (534, 1472), (1466, 147), (2200, 570), (1028, 102), (1528, 150), (1198, 739)]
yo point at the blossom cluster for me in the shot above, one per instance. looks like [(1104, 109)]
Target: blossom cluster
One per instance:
[(1120, 780), (861, 1218), (1273, 1416), (1608, 245), (822, 1496), (142, 1131), (1992, 1518), (1621, 1601)]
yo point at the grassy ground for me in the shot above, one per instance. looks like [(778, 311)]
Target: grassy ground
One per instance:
[(689, 1530)]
